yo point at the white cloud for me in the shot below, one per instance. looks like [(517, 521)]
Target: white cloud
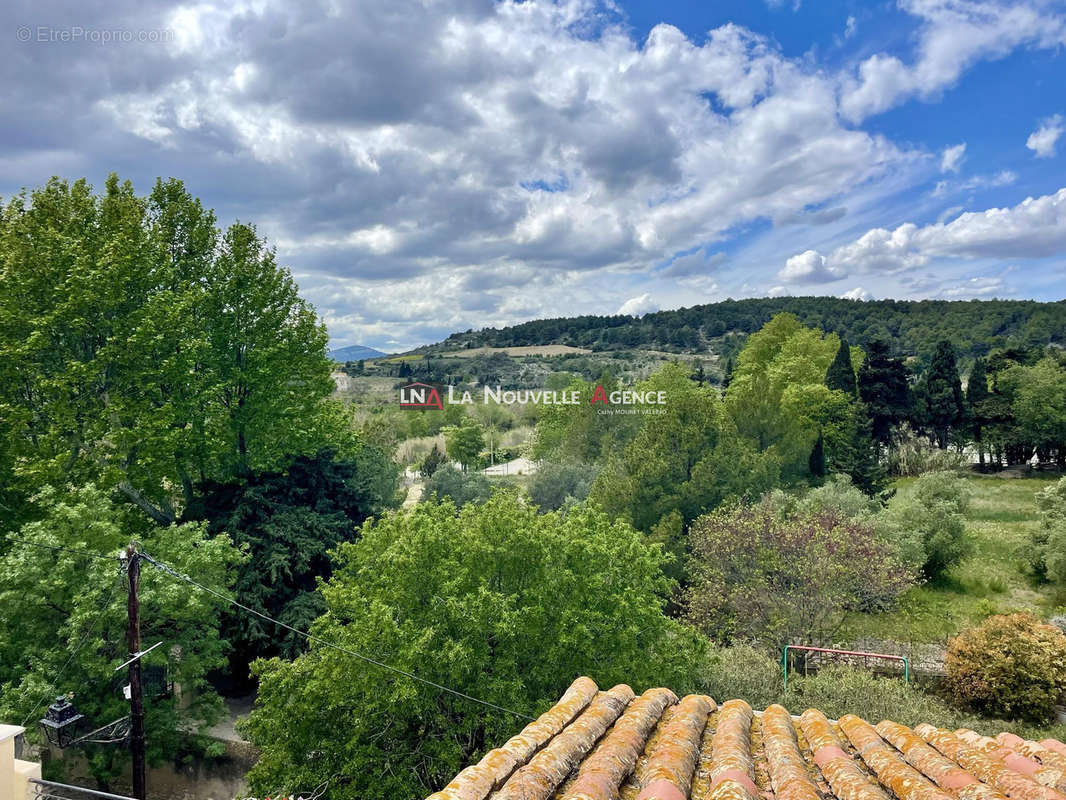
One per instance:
[(1004, 177), (858, 293), (954, 35), (952, 157), (1042, 141), (850, 27), (1035, 228), (977, 287), (638, 306)]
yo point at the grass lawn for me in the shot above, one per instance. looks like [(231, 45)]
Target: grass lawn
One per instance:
[(992, 579)]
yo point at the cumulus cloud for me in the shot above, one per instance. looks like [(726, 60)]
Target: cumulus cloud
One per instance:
[(1035, 228), (858, 293), (953, 35), (638, 306), (1042, 141), (952, 157)]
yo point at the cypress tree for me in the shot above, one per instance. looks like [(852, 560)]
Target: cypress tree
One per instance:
[(976, 396), (944, 406), (816, 462), (882, 384), (727, 374), (841, 375)]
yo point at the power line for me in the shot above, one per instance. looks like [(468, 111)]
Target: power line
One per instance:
[(83, 553), (77, 648), (311, 637)]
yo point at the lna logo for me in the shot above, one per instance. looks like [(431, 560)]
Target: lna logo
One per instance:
[(420, 395)]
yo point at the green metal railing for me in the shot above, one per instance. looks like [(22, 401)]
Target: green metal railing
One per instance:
[(864, 655)]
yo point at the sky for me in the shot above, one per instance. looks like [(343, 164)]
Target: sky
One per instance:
[(430, 166)]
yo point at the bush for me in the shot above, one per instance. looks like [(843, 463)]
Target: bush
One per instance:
[(756, 575), (461, 487), (916, 455), (839, 494), (839, 690), (554, 485), (1049, 540), (925, 522), (742, 671), (1011, 664)]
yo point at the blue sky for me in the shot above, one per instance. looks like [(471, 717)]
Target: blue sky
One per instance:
[(425, 167)]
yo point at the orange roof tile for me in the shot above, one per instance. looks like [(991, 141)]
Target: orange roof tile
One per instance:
[(613, 745)]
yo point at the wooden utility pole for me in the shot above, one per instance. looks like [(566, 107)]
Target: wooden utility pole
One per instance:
[(133, 636)]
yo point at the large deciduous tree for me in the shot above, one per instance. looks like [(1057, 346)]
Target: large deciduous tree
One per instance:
[(496, 601), (146, 351)]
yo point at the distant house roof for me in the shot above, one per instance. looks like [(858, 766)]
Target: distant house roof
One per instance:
[(612, 745)]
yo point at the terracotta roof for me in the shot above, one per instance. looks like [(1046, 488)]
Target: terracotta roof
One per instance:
[(612, 745)]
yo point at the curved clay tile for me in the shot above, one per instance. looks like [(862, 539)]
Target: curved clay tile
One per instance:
[(847, 781), (944, 772), (1045, 755), (905, 781), (1054, 744), (987, 768), (732, 773), (788, 770), (538, 779), (1026, 765), (476, 781), (668, 775), (603, 772)]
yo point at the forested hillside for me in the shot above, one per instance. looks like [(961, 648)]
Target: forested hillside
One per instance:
[(975, 326)]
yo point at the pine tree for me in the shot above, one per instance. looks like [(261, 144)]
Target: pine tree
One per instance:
[(944, 406), (976, 397), (727, 374), (882, 383), (841, 375)]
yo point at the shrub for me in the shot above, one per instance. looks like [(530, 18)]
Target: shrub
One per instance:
[(742, 671), (1011, 664), (461, 487), (916, 455), (554, 485), (841, 495), (925, 522), (433, 461), (1049, 540), (756, 575), (839, 690)]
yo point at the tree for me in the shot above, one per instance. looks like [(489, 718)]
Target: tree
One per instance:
[(882, 384), (688, 459), (817, 459), (926, 522), (460, 487), (464, 442), (1049, 539), (1039, 406), (841, 375), (976, 400), (288, 522), (553, 486), (944, 409), (757, 574), (57, 605), (433, 461), (496, 601), (147, 351), (1011, 666)]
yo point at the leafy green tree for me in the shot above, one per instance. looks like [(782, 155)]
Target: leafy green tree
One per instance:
[(1039, 406), (841, 374), (882, 383), (925, 521), (689, 459), (496, 601), (944, 407), (1049, 539), (460, 487), (465, 442), (288, 522), (855, 452), (56, 606), (554, 485), (147, 351), (757, 574)]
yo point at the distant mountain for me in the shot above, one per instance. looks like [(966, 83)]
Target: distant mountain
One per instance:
[(974, 326), (355, 352)]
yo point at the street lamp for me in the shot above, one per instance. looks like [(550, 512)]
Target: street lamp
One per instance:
[(60, 723)]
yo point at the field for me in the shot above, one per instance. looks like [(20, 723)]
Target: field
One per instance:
[(992, 579)]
